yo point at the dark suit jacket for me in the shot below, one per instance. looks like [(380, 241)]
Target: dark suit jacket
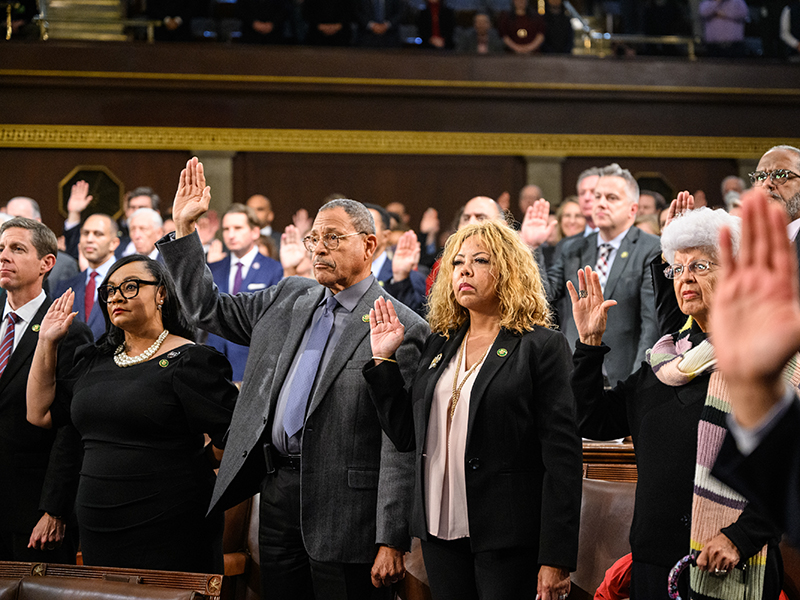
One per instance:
[(410, 291), (78, 284), (523, 463), (447, 25), (632, 326), (769, 477), (38, 469), (356, 487), (263, 273)]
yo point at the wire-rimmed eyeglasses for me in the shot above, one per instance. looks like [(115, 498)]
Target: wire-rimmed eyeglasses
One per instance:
[(696, 267)]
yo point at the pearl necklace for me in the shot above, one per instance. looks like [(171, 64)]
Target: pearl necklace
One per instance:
[(122, 359)]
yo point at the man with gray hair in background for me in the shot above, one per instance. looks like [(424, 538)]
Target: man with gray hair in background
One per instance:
[(621, 256), (145, 227)]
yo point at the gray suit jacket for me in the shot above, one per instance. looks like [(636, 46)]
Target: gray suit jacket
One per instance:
[(356, 487), (632, 327)]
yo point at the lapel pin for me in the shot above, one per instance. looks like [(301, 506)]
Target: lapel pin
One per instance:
[(173, 354), (163, 362), (365, 318), (435, 361), (36, 327), (255, 265), (501, 352), (624, 254)]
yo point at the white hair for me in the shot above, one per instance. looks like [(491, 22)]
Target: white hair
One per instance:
[(149, 212), (699, 228)]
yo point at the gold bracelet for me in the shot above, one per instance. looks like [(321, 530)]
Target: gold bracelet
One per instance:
[(386, 359)]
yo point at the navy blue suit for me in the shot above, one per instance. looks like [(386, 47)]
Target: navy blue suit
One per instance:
[(263, 273), (78, 284), (410, 291)]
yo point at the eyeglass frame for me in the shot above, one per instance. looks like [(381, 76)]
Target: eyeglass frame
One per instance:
[(103, 290), (771, 176), (331, 236), (669, 272)]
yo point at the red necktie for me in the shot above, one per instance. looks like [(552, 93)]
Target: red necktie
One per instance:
[(7, 345), (88, 299)]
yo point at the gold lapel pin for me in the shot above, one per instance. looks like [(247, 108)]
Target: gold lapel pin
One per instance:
[(501, 352), (365, 318), (624, 254), (36, 327), (435, 361), (163, 362)]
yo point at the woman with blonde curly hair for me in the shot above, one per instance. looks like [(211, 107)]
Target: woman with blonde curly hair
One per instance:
[(491, 419)]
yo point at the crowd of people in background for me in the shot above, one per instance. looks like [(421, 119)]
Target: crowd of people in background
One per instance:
[(727, 28), (454, 341)]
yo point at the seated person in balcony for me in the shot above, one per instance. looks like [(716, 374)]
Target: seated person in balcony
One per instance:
[(674, 406), (262, 21), (329, 22), (723, 26), (482, 38), (378, 21), (142, 400), (559, 36), (436, 24), (176, 16), (521, 29)]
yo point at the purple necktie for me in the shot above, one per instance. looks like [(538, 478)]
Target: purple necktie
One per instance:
[(237, 279), (7, 345), (306, 372)]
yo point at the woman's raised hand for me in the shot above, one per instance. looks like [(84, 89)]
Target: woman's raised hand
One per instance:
[(386, 330), (58, 318), (683, 203), (589, 309)]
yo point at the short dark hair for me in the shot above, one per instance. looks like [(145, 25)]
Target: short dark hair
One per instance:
[(386, 218), (42, 238), (172, 314), (143, 190), (237, 208), (112, 224)]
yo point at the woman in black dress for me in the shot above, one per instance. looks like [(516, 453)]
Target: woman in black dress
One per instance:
[(142, 400)]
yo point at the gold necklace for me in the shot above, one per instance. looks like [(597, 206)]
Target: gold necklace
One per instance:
[(457, 386)]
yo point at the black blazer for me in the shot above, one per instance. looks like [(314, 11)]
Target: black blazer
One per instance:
[(523, 460), (38, 471)]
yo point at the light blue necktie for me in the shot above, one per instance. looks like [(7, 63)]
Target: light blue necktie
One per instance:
[(306, 373)]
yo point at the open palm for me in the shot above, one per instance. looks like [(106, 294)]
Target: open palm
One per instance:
[(192, 198), (386, 332)]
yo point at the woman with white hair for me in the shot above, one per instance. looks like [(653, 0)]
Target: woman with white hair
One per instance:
[(674, 407)]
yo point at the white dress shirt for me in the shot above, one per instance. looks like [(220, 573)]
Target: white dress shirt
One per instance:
[(247, 262), (25, 313)]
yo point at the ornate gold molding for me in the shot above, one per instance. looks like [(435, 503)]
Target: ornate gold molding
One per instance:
[(395, 82), (332, 141)]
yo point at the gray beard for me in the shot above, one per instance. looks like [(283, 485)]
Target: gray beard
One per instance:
[(792, 206)]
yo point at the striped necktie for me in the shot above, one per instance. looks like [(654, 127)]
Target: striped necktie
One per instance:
[(7, 345), (603, 252)]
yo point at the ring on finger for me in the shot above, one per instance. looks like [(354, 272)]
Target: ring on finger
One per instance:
[(583, 294)]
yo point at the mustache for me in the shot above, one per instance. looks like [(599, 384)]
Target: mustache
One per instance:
[(322, 261)]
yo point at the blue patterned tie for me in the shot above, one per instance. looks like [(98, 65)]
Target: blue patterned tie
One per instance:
[(306, 372)]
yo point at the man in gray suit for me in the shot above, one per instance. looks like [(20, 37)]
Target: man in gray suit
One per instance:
[(621, 254), (335, 493)]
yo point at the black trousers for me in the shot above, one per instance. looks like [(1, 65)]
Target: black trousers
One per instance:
[(457, 573), (287, 571)]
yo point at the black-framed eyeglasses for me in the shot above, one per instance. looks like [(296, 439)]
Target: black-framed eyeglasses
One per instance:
[(127, 289), (329, 240), (778, 176), (696, 267)]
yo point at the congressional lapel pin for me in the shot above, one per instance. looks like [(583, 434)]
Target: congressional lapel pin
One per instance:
[(36, 327), (255, 266), (502, 352), (624, 254), (173, 354), (163, 362), (365, 318), (435, 361)]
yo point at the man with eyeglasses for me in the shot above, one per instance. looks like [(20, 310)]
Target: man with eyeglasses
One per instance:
[(38, 467), (335, 493)]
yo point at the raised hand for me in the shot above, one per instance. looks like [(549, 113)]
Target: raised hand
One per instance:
[(406, 256), (683, 203), (755, 312), (535, 225), (191, 199), (216, 251), (79, 199), (386, 332), (292, 249), (58, 318), (590, 312), (302, 221)]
